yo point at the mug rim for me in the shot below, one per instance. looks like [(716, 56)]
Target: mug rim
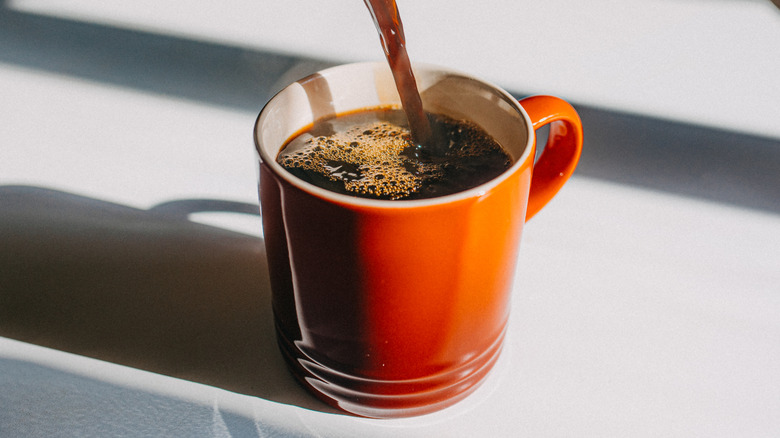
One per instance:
[(356, 201)]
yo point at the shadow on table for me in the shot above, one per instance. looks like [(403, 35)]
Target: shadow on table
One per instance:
[(211, 73), (143, 288), (704, 163), (40, 401)]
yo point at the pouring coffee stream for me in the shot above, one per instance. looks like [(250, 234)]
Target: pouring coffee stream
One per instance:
[(391, 33)]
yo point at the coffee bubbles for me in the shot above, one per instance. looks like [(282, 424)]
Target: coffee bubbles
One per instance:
[(370, 154)]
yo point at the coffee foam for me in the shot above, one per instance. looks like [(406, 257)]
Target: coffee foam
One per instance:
[(370, 154), (366, 158)]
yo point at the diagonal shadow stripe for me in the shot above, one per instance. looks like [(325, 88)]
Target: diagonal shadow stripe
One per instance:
[(683, 159), (206, 72)]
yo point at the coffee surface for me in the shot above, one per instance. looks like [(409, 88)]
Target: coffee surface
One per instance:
[(371, 154)]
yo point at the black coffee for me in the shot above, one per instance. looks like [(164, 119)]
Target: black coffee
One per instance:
[(371, 154)]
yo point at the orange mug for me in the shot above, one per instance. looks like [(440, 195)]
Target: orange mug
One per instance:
[(399, 308)]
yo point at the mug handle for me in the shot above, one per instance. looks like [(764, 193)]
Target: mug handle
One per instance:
[(560, 154)]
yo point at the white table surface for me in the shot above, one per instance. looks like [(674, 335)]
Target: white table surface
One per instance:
[(647, 297)]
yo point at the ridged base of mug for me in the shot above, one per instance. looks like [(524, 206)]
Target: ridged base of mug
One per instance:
[(389, 398)]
